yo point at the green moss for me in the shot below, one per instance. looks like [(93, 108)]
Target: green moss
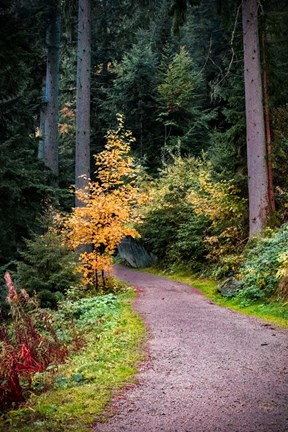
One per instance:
[(83, 387), (275, 313)]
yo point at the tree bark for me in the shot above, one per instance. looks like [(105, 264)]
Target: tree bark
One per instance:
[(42, 125), (255, 127), (50, 150), (82, 151), (267, 128)]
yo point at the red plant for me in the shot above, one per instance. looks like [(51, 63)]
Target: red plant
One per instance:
[(12, 293), (25, 350)]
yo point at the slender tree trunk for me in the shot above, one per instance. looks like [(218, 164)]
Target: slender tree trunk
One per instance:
[(82, 151), (267, 127), (42, 126), (50, 150), (255, 127)]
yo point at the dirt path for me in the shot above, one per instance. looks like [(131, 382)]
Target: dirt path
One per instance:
[(211, 369)]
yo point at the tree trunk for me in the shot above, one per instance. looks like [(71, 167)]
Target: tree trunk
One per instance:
[(82, 151), (42, 125), (255, 127), (50, 150), (267, 127)]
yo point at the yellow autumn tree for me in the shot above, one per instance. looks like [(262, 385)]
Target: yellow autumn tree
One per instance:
[(108, 203)]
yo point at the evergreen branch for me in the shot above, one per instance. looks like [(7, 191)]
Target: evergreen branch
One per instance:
[(231, 45)]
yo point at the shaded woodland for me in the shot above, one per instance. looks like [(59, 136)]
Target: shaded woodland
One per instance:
[(162, 124), (179, 73)]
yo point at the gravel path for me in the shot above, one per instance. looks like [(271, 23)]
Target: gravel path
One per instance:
[(211, 369)]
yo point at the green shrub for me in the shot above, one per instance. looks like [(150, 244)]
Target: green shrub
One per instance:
[(264, 265), (47, 268), (167, 215), (108, 285), (219, 201), (190, 246), (195, 220)]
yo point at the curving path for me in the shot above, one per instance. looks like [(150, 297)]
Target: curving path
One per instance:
[(211, 369)]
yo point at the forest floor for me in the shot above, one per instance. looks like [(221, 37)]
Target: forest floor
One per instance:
[(209, 368)]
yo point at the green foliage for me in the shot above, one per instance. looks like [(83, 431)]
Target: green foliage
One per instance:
[(133, 94), (274, 24), (264, 264), (108, 285), (279, 125), (167, 211), (219, 201), (166, 105), (190, 242), (228, 140), (82, 388), (192, 218), (22, 192), (47, 268), (87, 310), (185, 121), (206, 45), (177, 89), (24, 181), (178, 9)]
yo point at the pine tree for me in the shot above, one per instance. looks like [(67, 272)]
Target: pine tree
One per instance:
[(133, 94), (46, 267), (183, 117), (24, 181)]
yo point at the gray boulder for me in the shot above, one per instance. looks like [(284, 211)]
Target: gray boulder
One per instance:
[(134, 254), (230, 287)]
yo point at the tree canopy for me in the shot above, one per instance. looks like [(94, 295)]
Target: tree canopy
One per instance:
[(176, 72)]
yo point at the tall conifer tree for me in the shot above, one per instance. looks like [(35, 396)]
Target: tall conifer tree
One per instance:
[(50, 153), (255, 128), (82, 153)]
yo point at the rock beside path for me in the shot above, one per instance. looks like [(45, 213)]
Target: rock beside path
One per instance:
[(230, 287), (134, 253)]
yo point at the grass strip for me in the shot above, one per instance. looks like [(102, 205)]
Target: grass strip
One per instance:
[(84, 385)]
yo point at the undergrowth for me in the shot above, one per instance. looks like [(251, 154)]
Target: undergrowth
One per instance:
[(29, 344), (264, 267), (81, 388)]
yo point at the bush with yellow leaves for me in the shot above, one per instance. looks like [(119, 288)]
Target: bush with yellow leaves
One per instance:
[(195, 220), (107, 206), (220, 202)]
